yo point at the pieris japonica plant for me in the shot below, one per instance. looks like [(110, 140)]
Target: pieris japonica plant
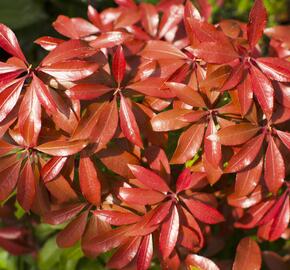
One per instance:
[(151, 133)]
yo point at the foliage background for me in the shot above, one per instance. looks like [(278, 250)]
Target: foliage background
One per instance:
[(31, 19)]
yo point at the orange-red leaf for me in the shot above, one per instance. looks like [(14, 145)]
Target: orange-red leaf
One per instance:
[(62, 148), (89, 181), (128, 123), (248, 255), (26, 186), (257, 23)]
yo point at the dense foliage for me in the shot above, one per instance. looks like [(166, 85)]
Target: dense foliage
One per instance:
[(149, 135)]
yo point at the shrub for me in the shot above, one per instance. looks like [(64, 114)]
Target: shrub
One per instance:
[(149, 131)]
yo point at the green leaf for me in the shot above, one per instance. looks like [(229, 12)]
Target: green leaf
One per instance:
[(7, 262), (194, 268), (87, 264), (49, 255), (42, 231), (20, 212)]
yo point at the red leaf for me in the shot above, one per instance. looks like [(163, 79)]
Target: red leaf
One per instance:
[(246, 155), (170, 19), (94, 227), (149, 178), (215, 52), (245, 94), (169, 120), (61, 188), (201, 31), (48, 43), (117, 160), (257, 23), (275, 68), (43, 94), (110, 39), (150, 18), (215, 80), (52, 168), (193, 116), (62, 215), (248, 255), (212, 146), (74, 28), (89, 181), (199, 262), (157, 160), (189, 238), (68, 50), (68, 114), (157, 50), (88, 122), (11, 233), (140, 196), (184, 180), (236, 76), (274, 211), (158, 214), (9, 96), (119, 65), (284, 137), (72, 70), (237, 134), (152, 87), (125, 253), (117, 218), (8, 121), (62, 148), (150, 222), (26, 187), (274, 167), (126, 3), (254, 215), (8, 161), (188, 144), (279, 32), (73, 232), (106, 126), (205, 8), (8, 179), (190, 11), (107, 240), (213, 172), (263, 90), (9, 42), (145, 253), (169, 233), (11, 68), (128, 123), (186, 94), (282, 93), (247, 180), (276, 227), (87, 91), (6, 147), (29, 117), (94, 17), (246, 201), (14, 248), (203, 212)]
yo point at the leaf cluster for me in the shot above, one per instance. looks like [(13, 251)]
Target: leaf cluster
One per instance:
[(148, 132)]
